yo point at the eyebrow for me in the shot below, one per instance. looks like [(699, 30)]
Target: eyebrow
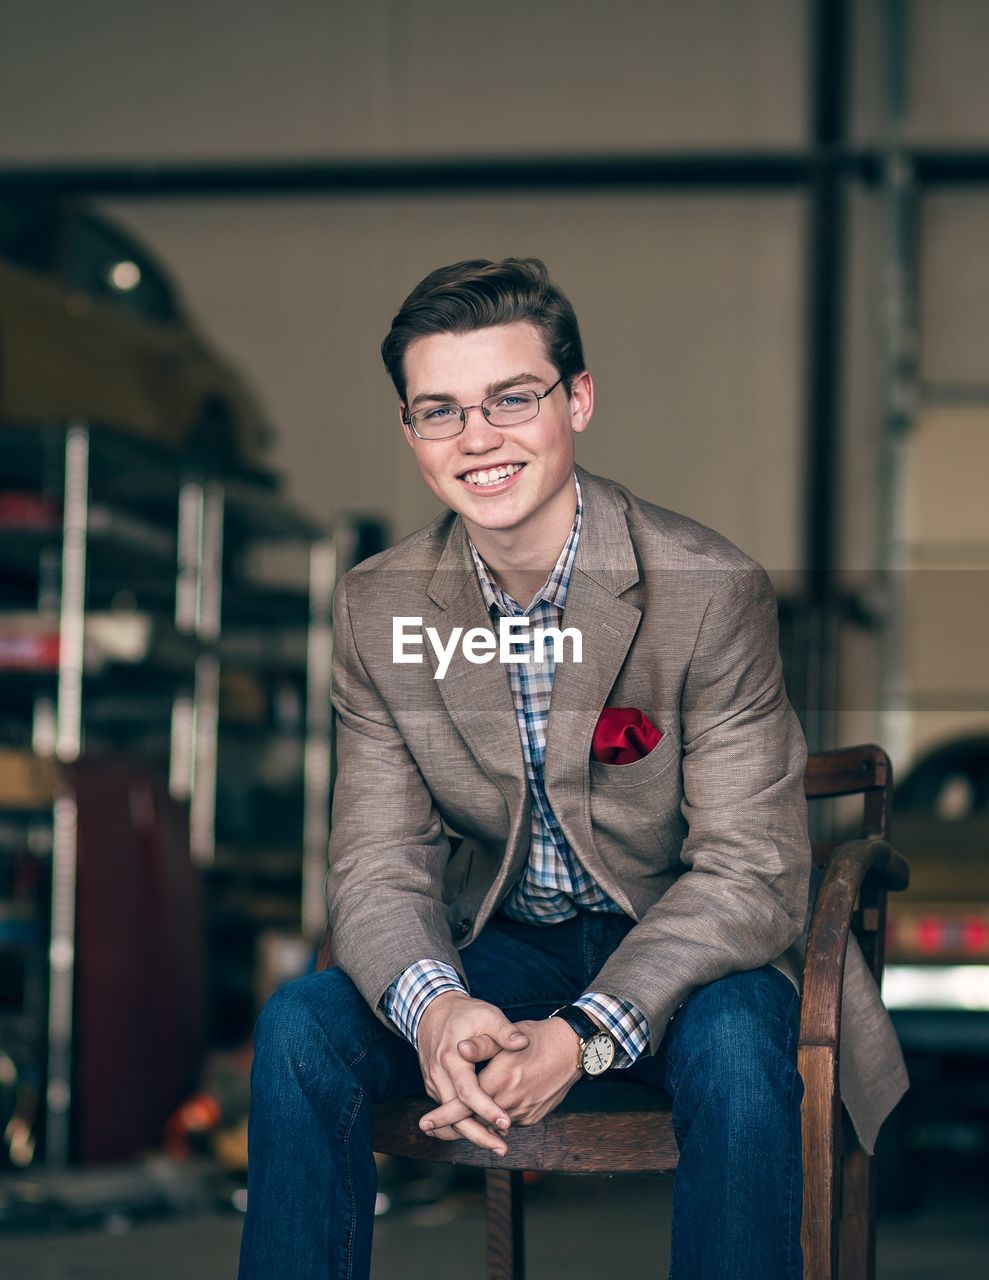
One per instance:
[(446, 397)]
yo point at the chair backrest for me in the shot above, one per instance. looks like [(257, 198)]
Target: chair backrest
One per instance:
[(848, 771), (866, 771)]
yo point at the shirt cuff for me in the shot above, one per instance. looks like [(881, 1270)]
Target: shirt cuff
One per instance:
[(405, 1001), (627, 1025)]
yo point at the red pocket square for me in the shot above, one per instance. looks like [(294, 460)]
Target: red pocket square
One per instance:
[(623, 735)]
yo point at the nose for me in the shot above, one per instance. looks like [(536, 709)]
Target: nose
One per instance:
[(478, 435)]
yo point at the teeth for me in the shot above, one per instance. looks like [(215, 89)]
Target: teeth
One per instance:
[(493, 475)]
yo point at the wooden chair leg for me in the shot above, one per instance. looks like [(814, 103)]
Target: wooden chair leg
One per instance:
[(858, 1217), (504, 1215)]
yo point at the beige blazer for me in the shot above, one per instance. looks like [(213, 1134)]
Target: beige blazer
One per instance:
[(703, 841)]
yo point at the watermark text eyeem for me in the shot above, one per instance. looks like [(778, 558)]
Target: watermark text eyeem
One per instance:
[(480, 644)]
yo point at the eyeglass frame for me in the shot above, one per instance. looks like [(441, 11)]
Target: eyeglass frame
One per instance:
[(409, 419)]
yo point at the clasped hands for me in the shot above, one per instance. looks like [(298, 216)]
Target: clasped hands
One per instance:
[(530, 1068)]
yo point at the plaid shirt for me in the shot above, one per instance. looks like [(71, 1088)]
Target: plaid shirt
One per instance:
[(554, 884)]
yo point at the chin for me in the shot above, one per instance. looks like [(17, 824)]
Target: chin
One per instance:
[(497, 514), (493, 521)]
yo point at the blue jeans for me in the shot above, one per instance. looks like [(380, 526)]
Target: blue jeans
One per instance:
[(728, 1061)]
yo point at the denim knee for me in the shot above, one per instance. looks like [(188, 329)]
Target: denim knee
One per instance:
[(307, 1024), (735, 1051)]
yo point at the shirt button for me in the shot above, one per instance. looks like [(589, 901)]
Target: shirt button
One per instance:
[(462, 929)]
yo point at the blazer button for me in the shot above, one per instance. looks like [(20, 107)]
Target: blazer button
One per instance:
[(462, 929)]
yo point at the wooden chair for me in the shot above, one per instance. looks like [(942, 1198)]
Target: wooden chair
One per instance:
[(609, 1127)]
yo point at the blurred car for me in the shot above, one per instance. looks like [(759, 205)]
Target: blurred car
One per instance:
[(936, 980), (92, 327), (937, 940)]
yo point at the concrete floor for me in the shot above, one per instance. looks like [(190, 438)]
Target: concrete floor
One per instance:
[(948, 1239)]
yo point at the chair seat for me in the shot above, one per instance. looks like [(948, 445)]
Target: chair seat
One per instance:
[(613, 1127)]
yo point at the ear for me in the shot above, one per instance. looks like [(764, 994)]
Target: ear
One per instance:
[(581, 401), (410, 437)]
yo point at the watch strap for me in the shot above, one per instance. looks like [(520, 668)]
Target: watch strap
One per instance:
[(575, 1017)]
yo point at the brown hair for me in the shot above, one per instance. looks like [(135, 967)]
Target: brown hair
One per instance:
[(477, 294)]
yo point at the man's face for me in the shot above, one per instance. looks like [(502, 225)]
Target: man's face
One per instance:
[(464, 369)]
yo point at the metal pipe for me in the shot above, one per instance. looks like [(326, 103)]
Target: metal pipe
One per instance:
[(825, 298)]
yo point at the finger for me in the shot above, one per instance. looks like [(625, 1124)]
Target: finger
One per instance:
[(470, 1093), (451, 1113), (447, 1114), (446, 1134), (454, 1108), (479, 1134), (480, 1048), (509, 1036)]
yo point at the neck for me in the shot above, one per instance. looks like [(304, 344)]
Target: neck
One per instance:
[(520, 558)]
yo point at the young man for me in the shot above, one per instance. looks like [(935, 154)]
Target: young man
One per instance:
[(632, 879)]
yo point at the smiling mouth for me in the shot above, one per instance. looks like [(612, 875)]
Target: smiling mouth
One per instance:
[(485, 477)]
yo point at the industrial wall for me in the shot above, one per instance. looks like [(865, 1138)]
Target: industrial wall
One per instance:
[(693, 305)]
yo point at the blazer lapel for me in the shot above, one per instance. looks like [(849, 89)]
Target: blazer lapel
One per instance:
[(605, 567)]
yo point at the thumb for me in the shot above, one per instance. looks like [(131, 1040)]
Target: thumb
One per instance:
[(483, 1047), (479, 1048), (509, 1036)]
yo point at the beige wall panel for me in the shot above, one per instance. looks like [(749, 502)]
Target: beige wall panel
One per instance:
[(947, 87), (954, 287), (856, 726), (948, 486), (585, 75), (691, 311), (947, 622), (868, 71), (194, 79), (859, 686), (947, 593)]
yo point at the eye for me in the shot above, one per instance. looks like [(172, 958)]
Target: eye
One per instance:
[(513, 400), (439, 414)]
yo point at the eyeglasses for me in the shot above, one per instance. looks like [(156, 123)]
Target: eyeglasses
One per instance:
[(506, 409)]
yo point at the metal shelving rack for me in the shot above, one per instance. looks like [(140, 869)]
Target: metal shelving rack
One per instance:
[(180, 607), (68, 745)]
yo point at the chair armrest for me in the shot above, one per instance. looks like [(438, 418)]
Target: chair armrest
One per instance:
[(827, 941)]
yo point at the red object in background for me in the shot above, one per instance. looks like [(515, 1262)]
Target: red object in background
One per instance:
[(26, 650), (29, 511), (937, 937), (140, 1012), (199, 1115), (623, 735)]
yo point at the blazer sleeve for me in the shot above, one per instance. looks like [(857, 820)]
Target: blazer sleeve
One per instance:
[(741, 899), (388, 850)]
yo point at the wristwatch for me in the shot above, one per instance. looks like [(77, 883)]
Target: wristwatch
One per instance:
[(597, 1048)]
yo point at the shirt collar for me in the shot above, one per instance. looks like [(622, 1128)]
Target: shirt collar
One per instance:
[(554, 589)]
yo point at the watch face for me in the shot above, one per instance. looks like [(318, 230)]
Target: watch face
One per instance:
[(598, 1055)]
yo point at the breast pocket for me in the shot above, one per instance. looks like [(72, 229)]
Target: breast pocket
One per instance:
[(635, 807)]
